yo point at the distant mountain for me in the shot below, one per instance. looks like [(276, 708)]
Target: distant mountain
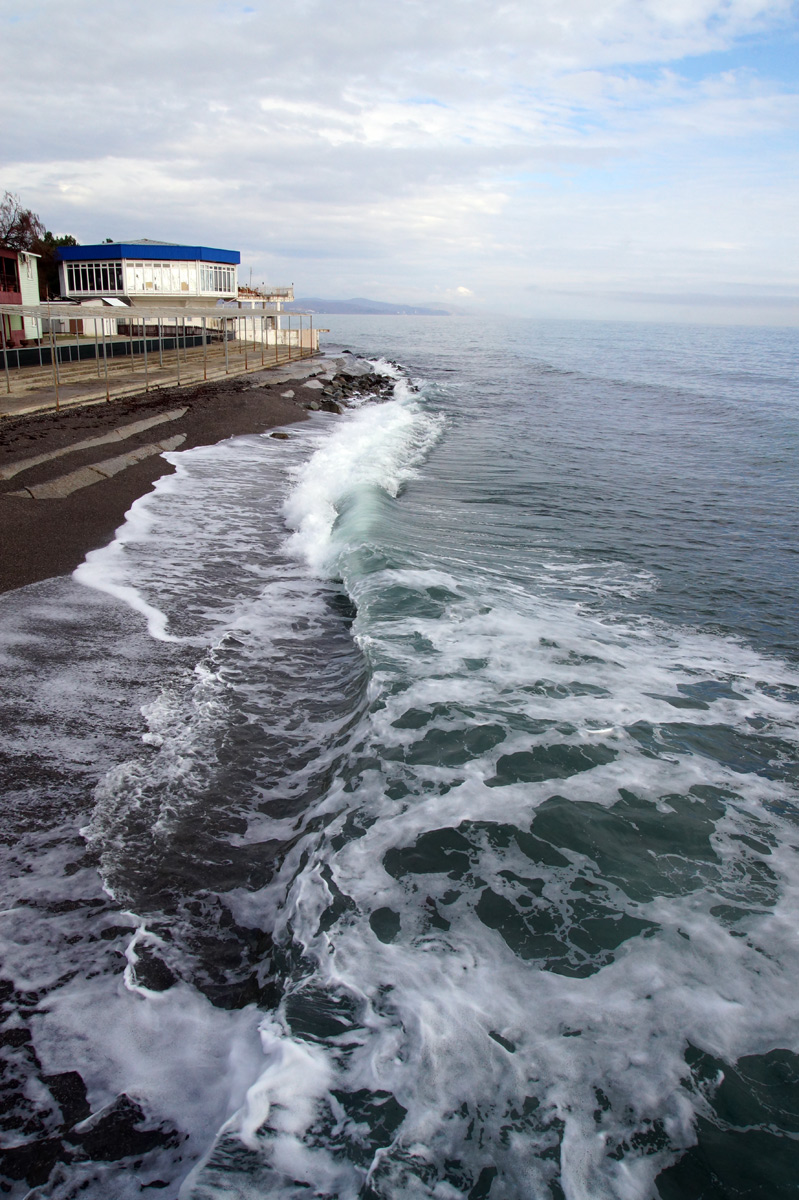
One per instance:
[(359, 305)]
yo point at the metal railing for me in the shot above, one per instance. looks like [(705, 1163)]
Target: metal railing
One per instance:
[(118, 351)]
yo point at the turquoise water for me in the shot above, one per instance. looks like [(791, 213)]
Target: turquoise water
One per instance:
[(413, 803)]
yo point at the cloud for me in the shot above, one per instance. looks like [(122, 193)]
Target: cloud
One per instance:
[(390, 147)]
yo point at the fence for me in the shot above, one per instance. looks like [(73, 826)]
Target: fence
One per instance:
[(104, 352)]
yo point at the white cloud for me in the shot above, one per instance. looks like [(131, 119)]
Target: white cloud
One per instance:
[(558, 144)]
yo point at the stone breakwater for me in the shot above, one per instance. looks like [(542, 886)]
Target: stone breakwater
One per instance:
[(344, 386)]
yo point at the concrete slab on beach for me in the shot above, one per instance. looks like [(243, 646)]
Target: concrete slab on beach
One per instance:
[(121, 433), (65, 485)]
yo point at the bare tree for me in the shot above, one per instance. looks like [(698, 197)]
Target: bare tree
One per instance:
[(19, 227)]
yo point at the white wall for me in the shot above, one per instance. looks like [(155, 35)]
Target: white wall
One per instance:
[(29, 290)]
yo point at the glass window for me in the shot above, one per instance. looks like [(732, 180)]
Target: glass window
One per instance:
[(94, 277), (217, 278)]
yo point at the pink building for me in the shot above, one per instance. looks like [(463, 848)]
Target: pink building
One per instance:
[(19, 284)]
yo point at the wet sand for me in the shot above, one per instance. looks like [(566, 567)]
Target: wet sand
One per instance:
[(42, 538)]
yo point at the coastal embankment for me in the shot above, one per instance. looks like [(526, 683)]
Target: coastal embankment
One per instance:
[(67, 479)]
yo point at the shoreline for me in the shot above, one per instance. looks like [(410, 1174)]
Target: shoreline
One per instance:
[(43, 538)]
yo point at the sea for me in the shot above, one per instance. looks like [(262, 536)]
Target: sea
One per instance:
[(410, 807)]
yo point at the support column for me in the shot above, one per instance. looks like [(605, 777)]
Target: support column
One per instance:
[(54, 362), (105, 364), (5, 350)]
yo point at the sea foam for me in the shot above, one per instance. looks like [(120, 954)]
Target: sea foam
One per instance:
[(376, 450)]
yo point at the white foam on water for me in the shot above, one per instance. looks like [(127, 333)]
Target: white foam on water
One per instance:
[(466, 1032), (198, 557), (431, 1001), (183, 725), (294, 1078), (377, 448), (104, 569), (189, 1063), (193, 550)]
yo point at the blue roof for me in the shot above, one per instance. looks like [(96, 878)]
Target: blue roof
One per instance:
[(153, 251)]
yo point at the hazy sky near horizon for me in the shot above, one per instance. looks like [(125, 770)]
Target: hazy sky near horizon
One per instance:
[(609, 158)]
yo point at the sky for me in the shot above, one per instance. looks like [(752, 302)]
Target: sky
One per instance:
[(611, 159)]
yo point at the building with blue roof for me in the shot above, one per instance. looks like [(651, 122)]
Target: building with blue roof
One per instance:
[(145, 271)]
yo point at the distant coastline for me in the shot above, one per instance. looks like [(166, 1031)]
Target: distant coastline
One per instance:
[(360, 306)]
